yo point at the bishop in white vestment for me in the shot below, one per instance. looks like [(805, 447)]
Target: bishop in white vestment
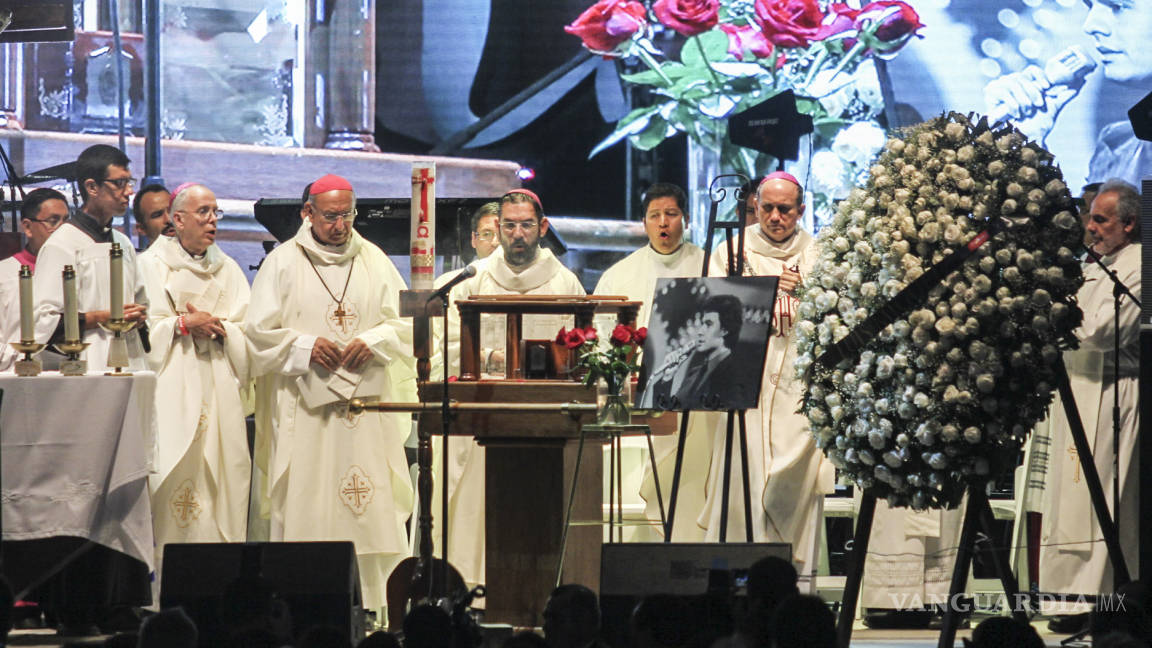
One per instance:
[(525, 268), (1073, 557), (199, 298), (667, 255), (789, 476), (324, 327)]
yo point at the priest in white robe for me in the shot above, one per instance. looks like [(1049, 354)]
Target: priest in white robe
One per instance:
[(1073, 557), (199, 297), (84, 243), (525, 268), (667, 255), (43, 212), (789, 476), (324, 328)]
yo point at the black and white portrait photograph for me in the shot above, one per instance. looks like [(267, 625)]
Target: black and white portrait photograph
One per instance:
[(706, 343)]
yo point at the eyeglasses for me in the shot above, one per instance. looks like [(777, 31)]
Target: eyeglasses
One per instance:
[(52, 221), (525, 226), (204, 213), (330, 218), (121, 183), (487, 235)]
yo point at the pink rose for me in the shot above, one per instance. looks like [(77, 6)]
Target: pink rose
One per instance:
[(789, 23), (688, 17), (590, 334), (840, 18), (746, 39), (607, 24), (897, 22)]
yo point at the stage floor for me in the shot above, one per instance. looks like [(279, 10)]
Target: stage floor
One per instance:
[(861, 637)]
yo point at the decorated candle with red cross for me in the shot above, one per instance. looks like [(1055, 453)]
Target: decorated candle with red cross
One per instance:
[(423, 250)]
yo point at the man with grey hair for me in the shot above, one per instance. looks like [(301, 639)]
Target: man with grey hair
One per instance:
[(199, 298), (1072, 558), (324, 327)]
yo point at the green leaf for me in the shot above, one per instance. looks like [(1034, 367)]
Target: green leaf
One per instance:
[(632, 123), (650, 137), (714, 43), (647, 77)]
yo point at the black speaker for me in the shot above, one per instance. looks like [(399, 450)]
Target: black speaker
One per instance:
[(708, 576), (304, 583)]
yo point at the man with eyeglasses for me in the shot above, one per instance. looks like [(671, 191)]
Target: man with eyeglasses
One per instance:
[(525, 268), (199, 298), (486, 242), (84, 243), (43, 211), (665, 210), (324, 327)]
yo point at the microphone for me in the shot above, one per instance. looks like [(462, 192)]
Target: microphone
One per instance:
[(1067, 68), (467, 273)]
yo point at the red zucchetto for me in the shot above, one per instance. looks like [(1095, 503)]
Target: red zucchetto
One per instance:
[(531, 194), (781, 175), (329, 183)]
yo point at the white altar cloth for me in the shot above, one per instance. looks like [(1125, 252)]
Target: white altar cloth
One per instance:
[(76, 453)]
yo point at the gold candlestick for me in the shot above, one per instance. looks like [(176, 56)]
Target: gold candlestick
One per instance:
[(118, 349), (73, 366), (29, 366)]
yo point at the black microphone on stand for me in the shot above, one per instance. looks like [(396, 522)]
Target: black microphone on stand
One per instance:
[(465, 274)]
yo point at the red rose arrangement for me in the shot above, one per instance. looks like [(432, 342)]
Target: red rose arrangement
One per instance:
[(615, 363), (730, 55)]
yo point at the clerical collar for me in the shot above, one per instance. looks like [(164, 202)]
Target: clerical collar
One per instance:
[(88, 225), (197, 257)]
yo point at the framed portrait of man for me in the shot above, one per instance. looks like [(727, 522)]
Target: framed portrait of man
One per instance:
[(707, 338)]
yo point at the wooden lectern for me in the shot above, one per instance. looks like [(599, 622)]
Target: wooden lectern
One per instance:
[(530, 459)]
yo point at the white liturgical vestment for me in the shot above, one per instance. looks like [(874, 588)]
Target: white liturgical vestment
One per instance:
[(200, 484), (1073, 557), (9, 311), (789, 476), (333, 475), (69, 245), (635, 277), (544, 276)]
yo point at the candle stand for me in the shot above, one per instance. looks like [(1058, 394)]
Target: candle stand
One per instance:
[(28, 366)]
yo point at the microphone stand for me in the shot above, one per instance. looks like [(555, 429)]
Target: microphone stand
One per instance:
[(1119, 290), (444, 427)]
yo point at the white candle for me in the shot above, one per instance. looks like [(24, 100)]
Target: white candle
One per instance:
[(71, 312), (116, 282), (26, 331), (423, 252)]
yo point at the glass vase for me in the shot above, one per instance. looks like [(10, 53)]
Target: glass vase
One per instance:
[(612, 403)]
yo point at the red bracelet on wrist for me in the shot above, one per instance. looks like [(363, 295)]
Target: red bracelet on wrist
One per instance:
[(180, 324)]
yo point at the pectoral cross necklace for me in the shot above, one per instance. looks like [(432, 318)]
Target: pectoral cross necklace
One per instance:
[(340, 314)]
